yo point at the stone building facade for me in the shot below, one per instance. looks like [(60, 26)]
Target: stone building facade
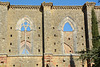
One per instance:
[(34, 36)]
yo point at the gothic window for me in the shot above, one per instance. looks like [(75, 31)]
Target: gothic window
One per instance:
[(25, 26), (68, 38), (68, 30), (67, 27), (25, 45), (25, 51)]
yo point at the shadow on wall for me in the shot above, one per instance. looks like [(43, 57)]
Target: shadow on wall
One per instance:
[(72, 64)]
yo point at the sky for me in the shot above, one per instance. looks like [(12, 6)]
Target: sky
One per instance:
[(55, 2)]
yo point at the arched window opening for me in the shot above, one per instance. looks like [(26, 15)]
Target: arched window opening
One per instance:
[(68, 38), (25, 45), (25, 27), (25, 51), (68, 30), (67, 27)]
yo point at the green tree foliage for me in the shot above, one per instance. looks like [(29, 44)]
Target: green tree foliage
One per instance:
[(95, 33), (94, 54)]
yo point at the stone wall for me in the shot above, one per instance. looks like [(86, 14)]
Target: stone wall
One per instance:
[(63, 61), (20, 61), (35, 16), (54, 19), (47, 39), (3, 29)]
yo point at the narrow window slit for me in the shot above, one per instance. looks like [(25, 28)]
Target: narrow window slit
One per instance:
[(9, 50), (38, 50), (55, 50), (82, 36), (53, 27), (55, 35), (38, 35), (56, 65), (2, 61), (82, 43), (39, 27), (54, 43), (10, 43), (13, 65), (36, 64), (11, 35), (68, 38), (10, 27)]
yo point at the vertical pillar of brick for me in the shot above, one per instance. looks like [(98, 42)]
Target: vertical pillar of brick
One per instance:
[(3, 60)]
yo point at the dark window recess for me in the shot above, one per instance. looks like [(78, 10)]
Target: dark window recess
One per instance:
[(92, 65), (47, 65), (54, 43), (55, 50), (68, 38), (53, 27), (39, 27), (2, 61), (56, 65), (10, 27), (55, 35), (38, 50), (82, 43), (13, 65), (63, 60), (28, 37), (11, 35), (36, 64), (83, 66), (82, 28), (82, 36), (38, 35), (9, 50), (3, 38), (10, 43)]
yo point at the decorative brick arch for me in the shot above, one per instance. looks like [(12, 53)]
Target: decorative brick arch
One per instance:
[(74, 27)]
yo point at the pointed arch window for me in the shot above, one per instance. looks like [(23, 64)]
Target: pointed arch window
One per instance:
[(25, 51), (68, 38), (25, 26), (68, 30), (67, 27), (25, 46)]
